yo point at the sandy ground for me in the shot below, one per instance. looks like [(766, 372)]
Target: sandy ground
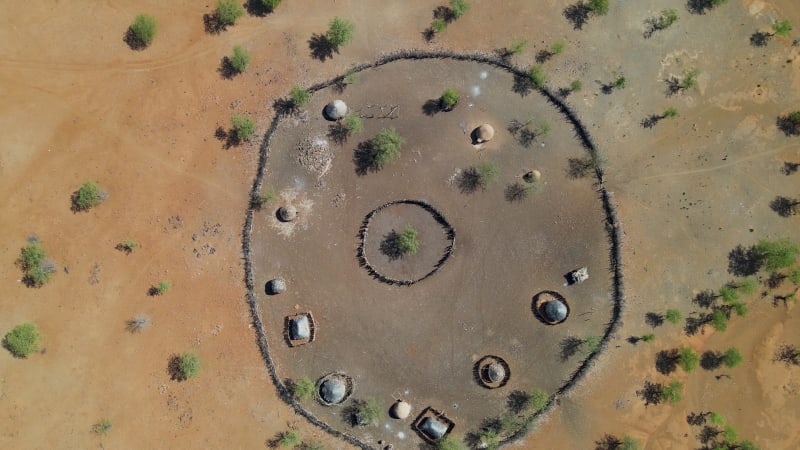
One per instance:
[(80, 105)]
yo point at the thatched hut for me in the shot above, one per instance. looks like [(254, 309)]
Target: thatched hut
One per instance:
[(276, 286), (335, 110), (433, 428), (299, 329), (400, 410), (550, 307), (483, 133), (555, 311), (287, 213), (432, 425), (334, 388), (492, 372)]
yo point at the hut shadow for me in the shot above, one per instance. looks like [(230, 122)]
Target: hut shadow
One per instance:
[(569, 347), (432, 107), (133, 41), (694, 325), (321, 47), (577, 14), (338, 133)]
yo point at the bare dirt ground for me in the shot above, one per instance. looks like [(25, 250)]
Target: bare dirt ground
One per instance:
[(80, 105)]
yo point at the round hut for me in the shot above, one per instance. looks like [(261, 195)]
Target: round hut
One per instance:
[(400, 410), (335, 110), (333, 389), (483, 133), (555, 311), (287, 213), (550, 307), (276, 286), (492, 372)]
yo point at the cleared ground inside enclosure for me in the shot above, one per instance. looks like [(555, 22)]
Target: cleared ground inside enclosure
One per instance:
[(421, 342)]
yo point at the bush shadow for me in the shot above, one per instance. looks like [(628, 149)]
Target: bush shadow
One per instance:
[(133, 41), (577, 14), (321, 47)]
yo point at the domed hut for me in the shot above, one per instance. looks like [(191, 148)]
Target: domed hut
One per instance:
[(299, 329), (400, 410), (433, 425), (335, 110), (287, 213), (483, 133), (550, 307), (334, 389), (276, 286), (492, 372)]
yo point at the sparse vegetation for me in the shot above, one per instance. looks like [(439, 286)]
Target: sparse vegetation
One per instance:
[(353, 123), (448, 443), (648, 337), (299, 96), (438, 25), (35, 265), (537, 76), (518, 45), (102, 428), (598, 7), (142, 31), (660, 22), (23, 340), (228, 11), (340, 32), (268, 195), (243, 127), (782, 28), (408, 240), (289, 439), (558, 47), (240, 59), (161, 288), (88, 196), (732, 358), (139, 323), (127, 246)]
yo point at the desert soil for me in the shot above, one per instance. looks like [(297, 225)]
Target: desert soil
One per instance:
[(80, 105)]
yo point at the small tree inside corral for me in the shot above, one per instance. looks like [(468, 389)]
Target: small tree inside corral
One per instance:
[(142, 31), (408, 242), (243, 127), (385, 147), (340, 32), (23, 340), (239, 60), (368, 412), (537, 76), (88, 196), (448, 99)]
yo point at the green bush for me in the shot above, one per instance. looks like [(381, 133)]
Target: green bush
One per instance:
[(558, 47), (688, 359), (575, 86), (459, 7), (144, 27), (716, 419), (87, 196), (340, 32), (537, 76), (408, 241), (518, 45), (228, 11), (732, 357), (776, 255), (673, 316), (538, 399), (689, 79), (591, 343), (161, 288), (730, 434), (188, 365), (23, 340), (629, 443), (102, 428), (37, 269), (312, 445), (448, 443), (672, 393), (303, 389), (386, 147), (240, 59), (728, 294), (128, 245), (782, 28), (449, 98), (747, 286), (269, 195), (369, 412), (670, 112), (438, 25), (243, 127), (648, 337), (270, 5), (289, 439), (353, 123), (488, 439), (599, 7), (488, 172), (299, 96), (719, 321)]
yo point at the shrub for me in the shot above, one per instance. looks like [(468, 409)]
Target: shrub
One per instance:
[(619, 82), (353, 123), (719, 321), (670, 112), (688, 359), (188, 365), (488, 439), (23, 340), (303, 389), (648, 337), (449, 98), (228, 11), (87, 196), (591, 343), (730, 434), (538, 399), (161, 288), (459, 7), (599, 7), (408, 241), (102, 428), (776, 255), (240, 59), (518, 45), (37, 269), (299, 96), (340, 32), (270, 5), (732, 358), (537, 76), (689, 79), (575, 86), (289, 439), (386, 147), (128, 246), (488, 172), (312, 445), (672, 393), (243, 127), (629, 443), (782, 28), (369, 412), (728, 294), (747, 286), (716, 419), (144, 28), (558, 47), (138, 323), (269, 195), (673, 316), (448, 443), (438, 25)]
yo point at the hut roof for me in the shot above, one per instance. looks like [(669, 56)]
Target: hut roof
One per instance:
[(299, 328), (335, 110), (333, 390), (485, 133), (555, 310), (400, 410), (433, 428), (276, 286), (495, 372), (287, 213)]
